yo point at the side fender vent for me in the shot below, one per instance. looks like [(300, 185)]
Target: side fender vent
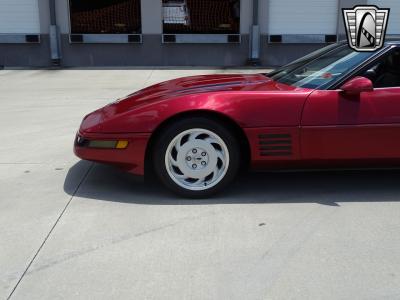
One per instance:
[(275, 144)]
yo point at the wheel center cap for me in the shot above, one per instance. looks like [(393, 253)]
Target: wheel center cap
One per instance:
[(197, 158)]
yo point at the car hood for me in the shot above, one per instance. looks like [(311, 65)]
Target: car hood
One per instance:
[(195, 85), (182, 87)]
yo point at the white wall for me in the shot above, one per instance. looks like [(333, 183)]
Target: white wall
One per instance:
[(19, 16)]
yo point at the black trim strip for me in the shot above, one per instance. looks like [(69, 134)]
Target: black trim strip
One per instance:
[(289, 148), (276, 153), (275, 142), (274, 136)]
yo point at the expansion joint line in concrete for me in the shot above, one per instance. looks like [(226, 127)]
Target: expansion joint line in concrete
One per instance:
[(51, 230)]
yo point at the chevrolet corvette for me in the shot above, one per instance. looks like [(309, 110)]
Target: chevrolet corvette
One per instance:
[(334, 108)]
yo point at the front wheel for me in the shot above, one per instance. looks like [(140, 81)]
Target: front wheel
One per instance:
[(196, 157)]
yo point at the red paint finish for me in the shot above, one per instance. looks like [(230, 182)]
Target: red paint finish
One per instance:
[(250, 100), (340, 126), (285, 126), (357, 85)]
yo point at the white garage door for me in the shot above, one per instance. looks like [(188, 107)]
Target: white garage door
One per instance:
[(19, 16), (394, 17), (303, 16)]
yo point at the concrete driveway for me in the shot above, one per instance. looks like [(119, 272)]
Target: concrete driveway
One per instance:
[(71, 229)]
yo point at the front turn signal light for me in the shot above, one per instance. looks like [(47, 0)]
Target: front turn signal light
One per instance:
[(121, 145)]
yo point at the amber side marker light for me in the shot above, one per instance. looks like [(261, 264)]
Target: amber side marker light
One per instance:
[(122, 145)]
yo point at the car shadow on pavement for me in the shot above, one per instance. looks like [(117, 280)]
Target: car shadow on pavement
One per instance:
[(328, 188)]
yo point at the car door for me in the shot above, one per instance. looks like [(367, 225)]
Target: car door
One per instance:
[(336, 126)]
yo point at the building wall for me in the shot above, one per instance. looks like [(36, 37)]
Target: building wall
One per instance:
[(153, 53), (26, 55), (297, 40)]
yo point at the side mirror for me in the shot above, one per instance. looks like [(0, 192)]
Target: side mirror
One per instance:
[(357, 85), (371, 73)]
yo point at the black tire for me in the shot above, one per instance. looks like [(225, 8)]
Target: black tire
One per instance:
[(169, 133)]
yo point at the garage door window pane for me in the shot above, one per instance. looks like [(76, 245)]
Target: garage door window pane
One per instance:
[(201, 16), (105, 16)]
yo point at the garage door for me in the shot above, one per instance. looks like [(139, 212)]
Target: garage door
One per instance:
[(303, 16), (394, 17), (19, 16)]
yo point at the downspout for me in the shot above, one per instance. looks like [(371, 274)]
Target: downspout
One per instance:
[(254, 58), (54, 35)]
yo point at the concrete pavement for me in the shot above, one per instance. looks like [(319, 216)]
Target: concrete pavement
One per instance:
[(71, 229)]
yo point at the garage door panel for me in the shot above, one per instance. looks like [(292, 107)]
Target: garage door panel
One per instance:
[(303, 17), (394, 17), (19, 16)]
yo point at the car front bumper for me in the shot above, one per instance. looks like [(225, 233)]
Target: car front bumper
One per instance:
[(103, 148)]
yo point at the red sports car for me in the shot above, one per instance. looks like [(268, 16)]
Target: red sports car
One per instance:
[(334, 108)]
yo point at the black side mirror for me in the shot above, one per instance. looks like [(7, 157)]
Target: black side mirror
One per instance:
[(370, 74)]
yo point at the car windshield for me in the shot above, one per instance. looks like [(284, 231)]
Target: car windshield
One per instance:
[(320, 71), (302, 60)]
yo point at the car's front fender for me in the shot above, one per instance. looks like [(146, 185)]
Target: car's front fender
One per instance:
[(247, 109)]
